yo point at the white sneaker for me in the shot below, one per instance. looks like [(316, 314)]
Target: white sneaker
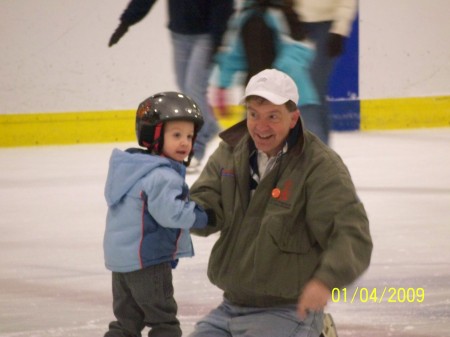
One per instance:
[(329, 329)]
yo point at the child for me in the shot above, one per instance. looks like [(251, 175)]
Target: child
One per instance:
[(149, 216)]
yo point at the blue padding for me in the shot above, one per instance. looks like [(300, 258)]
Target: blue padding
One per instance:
[(345, 115)]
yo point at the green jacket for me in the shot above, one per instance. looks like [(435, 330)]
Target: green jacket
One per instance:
[(269, 248)]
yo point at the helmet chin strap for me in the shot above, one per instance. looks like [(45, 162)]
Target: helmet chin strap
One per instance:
[(191, 154), (157, 143)]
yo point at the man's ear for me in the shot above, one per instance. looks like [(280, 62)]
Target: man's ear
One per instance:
[(295, 115)]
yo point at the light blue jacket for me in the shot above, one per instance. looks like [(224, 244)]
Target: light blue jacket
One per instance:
[(293, 57), (149, 213)]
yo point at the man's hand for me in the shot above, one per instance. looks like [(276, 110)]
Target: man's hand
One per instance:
[(314, 297), (118, 33)]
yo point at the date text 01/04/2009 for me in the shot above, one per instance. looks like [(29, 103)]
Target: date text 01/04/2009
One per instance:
[(375, 295)]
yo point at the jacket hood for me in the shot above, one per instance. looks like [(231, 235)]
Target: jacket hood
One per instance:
[(126, 168)]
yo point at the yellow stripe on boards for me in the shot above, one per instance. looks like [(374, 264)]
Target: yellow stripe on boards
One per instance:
[(235, 114), (405, 113), (67, 128), (119, 126)]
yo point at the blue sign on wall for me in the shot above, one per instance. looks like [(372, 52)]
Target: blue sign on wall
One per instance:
[(343, 89)]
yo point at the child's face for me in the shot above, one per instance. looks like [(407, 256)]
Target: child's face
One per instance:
[(178, 136)]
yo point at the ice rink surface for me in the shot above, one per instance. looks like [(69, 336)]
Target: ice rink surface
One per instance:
[(53, 282)]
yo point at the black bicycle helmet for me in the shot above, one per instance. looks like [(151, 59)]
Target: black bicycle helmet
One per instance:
[(162, 107)]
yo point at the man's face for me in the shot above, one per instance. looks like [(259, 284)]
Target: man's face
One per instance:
[(269, 124)]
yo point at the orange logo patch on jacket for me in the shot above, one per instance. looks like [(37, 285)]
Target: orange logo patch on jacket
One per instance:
[(284, 193)]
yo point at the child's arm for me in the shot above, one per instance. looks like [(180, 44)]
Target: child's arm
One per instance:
[(164, 190)]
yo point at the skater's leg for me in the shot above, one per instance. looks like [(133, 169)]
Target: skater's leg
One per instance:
[(129, 317), (153, 291), (229, 320), (276, 321)]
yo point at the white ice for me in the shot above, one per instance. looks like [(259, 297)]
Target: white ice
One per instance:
[(52, 212)]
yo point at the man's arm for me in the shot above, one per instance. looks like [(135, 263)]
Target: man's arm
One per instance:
[(135, 12), (338, 221)]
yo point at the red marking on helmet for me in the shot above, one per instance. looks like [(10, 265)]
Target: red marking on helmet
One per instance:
[(158, 128)]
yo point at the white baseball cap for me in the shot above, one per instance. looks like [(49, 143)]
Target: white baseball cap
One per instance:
[(273, 85)]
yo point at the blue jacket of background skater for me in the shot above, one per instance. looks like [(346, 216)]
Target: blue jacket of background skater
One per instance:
[(292, 57), (149, 213)]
